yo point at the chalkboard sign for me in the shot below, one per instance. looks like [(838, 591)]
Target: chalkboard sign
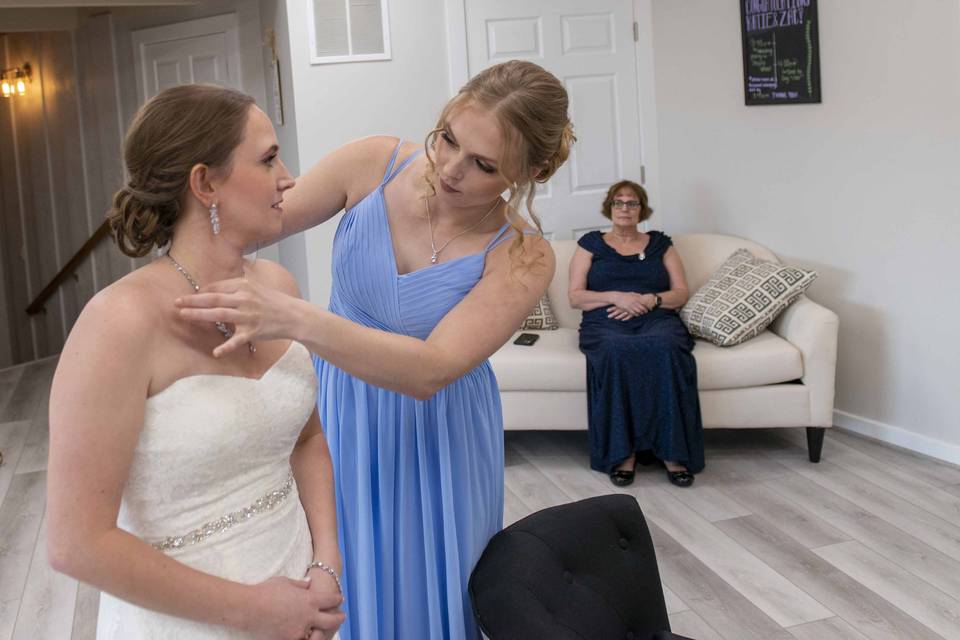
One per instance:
[(781, 55)]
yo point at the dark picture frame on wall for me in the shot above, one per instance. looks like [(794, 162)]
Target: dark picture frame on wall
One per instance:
[(781, 51)]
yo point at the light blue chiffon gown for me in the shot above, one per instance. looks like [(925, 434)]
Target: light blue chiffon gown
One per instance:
[(419, 484)]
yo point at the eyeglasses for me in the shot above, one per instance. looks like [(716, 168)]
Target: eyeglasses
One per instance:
[(625, 204)]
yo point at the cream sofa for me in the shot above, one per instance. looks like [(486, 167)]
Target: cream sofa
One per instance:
[(782, 378)]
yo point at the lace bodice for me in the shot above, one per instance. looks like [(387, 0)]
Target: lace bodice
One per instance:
[(211, 444), (214, 457)]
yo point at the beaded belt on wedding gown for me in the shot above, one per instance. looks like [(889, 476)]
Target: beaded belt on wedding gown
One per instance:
[(204, 531)]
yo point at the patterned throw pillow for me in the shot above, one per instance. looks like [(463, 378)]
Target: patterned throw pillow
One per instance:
[(541, 317), (742, 298)]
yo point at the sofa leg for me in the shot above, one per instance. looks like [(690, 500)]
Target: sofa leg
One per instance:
[(815, 442)]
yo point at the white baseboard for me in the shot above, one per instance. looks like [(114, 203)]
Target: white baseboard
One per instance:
[(898, 436)]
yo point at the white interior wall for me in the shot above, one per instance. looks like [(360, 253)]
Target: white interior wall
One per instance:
[(336, 103), (864, 188), (291, 252)]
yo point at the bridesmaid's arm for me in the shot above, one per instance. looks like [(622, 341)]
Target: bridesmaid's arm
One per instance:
[(337, 181), (97, 405), (470, 333)]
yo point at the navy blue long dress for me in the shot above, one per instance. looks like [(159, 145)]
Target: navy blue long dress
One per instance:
[(641, 374)]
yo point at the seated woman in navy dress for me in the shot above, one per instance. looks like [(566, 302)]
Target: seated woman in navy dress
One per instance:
[(641, 374)]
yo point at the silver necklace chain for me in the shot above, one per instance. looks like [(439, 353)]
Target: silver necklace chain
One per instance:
[(221, 327), (436, 252)]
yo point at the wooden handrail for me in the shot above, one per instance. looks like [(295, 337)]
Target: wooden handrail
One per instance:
[(102, 232)]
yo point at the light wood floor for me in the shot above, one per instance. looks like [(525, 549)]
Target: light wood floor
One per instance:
[(765, 545)]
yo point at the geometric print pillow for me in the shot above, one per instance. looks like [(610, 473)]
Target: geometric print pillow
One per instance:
[(742, 298), (541, 318)]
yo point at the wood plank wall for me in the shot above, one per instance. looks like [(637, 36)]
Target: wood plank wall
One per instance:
[(60, 162)]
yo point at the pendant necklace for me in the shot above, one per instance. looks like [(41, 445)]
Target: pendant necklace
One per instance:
[(436, 252), (642, 255), (221, 327)]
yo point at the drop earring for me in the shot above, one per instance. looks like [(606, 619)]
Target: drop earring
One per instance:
[(214, 219)]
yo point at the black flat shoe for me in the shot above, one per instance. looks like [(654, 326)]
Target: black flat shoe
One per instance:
[(621, 477), (680, 478)]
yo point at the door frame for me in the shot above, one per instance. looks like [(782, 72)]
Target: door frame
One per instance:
[(226, 23), (458, 71)]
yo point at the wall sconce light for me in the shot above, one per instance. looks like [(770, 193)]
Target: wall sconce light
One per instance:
[(14, 80)]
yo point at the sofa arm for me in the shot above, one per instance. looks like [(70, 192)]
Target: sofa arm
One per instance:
[(813, 329)]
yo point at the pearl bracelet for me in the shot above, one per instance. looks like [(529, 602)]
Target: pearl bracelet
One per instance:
[(317, 564)]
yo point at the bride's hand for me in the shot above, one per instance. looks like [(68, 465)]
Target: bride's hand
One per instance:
[(285, 609), (324, 585), (257, 312)]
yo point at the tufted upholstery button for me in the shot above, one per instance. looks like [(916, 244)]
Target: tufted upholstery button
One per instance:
[(568, 577), (623, 543)]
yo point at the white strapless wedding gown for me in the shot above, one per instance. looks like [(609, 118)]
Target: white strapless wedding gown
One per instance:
[(210, 485)]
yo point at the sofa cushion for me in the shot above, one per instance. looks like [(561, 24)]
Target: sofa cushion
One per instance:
[(767, 359), (742, 298), (541, 317), (553, 363)]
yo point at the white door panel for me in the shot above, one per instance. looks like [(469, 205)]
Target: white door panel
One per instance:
[(206, 50), (590, 48)]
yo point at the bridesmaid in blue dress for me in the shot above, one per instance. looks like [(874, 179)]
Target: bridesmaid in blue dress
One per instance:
[(432, 272), (641, 374)]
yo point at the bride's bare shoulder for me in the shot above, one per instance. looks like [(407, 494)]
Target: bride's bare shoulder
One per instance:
[(274, 275), (134, 305)]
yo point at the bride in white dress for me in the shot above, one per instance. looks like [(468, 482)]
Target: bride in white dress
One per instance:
[(194, 491)]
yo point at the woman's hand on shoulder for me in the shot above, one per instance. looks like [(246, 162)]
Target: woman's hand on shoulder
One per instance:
[(262, 306)]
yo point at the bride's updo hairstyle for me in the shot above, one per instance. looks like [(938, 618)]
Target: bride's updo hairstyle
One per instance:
[(174, 131), (530, 105)]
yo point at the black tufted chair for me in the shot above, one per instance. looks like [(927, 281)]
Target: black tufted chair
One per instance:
[(581, 570)]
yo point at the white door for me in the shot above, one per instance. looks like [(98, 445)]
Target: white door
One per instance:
[(205, 50), (590, 47)]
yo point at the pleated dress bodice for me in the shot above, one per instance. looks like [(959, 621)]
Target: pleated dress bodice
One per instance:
[(368, 289)]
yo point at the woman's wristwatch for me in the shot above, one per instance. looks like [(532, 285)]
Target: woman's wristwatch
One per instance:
[(659, 300)]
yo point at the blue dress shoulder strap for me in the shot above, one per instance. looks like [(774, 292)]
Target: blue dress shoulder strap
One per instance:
[(504, 234), (392, 172)]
